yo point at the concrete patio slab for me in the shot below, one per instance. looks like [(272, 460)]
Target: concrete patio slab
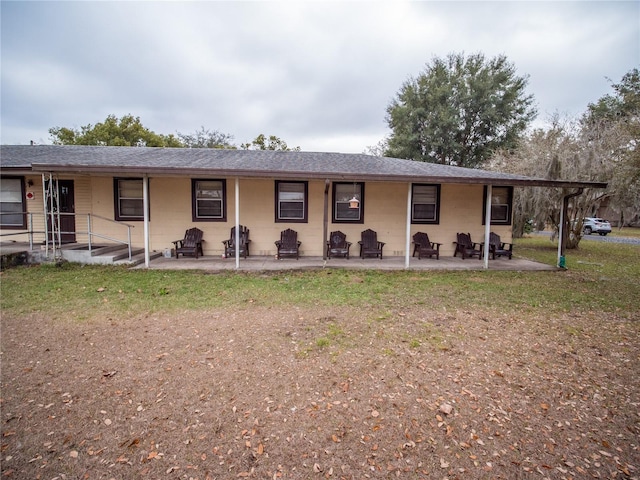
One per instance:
[(355, 263)]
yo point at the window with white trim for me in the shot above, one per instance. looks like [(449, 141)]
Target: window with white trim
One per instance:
[(425, 203), (208, 200), (343, 211), (128, 195), (291, 201), (12, 203), (501, 205)]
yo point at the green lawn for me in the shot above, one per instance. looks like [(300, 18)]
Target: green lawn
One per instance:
[(600, 276)]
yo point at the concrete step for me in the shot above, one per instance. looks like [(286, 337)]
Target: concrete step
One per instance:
[(137, 259), (123, 253)]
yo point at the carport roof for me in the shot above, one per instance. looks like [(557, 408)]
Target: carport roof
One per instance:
[(137, 161)]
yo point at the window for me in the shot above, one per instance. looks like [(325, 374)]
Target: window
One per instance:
[(128, 199), (425, 203), (209, 200), (291, 201), (12, 203), (342, 194), (501, 205)]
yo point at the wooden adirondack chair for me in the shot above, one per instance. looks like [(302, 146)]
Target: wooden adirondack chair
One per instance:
[(466, 247), (337, 245), (288, 245), (191, 244), (424, 247), (499, 248), (369, 245), (230, 244)]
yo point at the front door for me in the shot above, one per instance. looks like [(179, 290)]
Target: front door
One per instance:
[(66, 201)]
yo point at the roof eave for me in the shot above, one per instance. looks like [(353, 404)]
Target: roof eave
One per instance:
[(170, 171)]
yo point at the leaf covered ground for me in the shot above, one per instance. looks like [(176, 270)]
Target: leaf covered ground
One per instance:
[(327, 392)]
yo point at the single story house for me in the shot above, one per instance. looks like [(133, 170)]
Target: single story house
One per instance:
[(148, 197)]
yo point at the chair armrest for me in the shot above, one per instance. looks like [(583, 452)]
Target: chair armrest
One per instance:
[(381, 244), (277, 242), (176, 242)]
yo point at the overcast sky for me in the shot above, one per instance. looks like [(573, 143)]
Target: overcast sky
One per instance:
[(319, 75)]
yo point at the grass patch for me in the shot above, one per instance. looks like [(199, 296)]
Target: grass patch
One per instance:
[(600, 276)]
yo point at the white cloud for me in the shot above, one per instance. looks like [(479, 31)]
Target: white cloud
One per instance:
[(317, 74)]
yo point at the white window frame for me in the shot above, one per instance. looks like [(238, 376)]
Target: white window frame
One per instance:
[(343, 192), (420, 193), (119, 216), (297, 192), (12, 195), (217, 195)]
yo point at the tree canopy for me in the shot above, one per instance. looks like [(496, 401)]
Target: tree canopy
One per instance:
[(204, 138), (600, 146), (127, 131), (459, 111), (262, 142)]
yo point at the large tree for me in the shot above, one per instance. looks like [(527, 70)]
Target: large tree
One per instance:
[(612, 126), (127, 131), (459, 111), (602, 145), (559, 152)]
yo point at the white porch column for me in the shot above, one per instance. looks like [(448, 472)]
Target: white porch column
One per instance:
[(237, 239), (407, 251), (487, 226), (145, 207)]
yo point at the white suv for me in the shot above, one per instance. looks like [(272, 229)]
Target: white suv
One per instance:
[(595, 225)]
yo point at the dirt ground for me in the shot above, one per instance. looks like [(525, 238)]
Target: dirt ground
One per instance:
[(272, 393)]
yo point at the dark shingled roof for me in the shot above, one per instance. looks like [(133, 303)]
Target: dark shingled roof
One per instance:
[(250, 164)]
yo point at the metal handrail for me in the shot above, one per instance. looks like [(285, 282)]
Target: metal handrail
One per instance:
[(106, 237), (90, 233)]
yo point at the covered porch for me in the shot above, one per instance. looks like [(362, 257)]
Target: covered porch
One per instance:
[(269, 263)]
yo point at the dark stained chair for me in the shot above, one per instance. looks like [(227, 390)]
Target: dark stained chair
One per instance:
[(288, 245), (369, 245), (230, 244), (337, 245), (191, 244), (466, 247), (499, 248), (424, 247)]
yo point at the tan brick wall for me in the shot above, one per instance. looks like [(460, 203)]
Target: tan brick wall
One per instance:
[(385, 211)]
